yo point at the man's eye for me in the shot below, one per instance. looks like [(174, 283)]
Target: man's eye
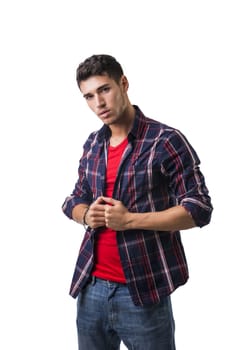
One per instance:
[(88, 97), (106, 89)]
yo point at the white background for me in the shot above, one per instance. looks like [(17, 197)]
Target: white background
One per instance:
[(178, 58)]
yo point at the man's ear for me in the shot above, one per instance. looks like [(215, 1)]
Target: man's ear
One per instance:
[(124, 83)]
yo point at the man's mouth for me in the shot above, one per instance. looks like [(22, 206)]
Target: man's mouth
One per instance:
[(104, 114)]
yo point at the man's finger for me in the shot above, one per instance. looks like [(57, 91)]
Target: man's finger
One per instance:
[(109, 200)]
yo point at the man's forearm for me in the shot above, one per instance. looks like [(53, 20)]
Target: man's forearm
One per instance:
[(119, 218), (172, 219), (78, 213)]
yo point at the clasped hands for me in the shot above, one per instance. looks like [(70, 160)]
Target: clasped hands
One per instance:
[(108, 212)]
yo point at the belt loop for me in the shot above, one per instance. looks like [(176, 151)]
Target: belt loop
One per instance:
[(93, 280)]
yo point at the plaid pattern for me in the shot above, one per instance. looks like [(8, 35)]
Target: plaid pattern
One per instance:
[(159, 169)]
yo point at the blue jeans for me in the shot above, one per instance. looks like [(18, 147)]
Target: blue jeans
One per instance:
[(106, 316)]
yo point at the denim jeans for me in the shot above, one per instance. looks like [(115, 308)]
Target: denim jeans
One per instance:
[(106, 316)]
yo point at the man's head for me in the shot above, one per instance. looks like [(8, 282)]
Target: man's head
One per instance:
[(104, 86), (99, 65)]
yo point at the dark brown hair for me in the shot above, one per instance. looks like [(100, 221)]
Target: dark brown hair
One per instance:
[(99, 65)]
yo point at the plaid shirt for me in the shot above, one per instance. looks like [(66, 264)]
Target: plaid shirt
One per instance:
[(159, 169)]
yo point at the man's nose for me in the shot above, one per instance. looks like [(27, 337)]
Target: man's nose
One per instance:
[(99, 101)]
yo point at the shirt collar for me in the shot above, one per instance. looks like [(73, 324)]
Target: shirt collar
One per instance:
[(105, 132)]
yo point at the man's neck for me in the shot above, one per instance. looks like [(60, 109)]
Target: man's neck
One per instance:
[(121, 131)]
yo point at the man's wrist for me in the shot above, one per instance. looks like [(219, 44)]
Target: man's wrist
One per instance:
[(84, 220), (130, 221)]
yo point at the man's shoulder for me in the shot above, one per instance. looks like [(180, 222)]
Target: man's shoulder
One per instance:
[(155, 126), (96, 136)]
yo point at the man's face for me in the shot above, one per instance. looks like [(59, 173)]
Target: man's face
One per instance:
[(107, 99)]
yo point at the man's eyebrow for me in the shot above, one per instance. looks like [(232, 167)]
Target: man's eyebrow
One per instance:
[(102, 87), (99, 89)]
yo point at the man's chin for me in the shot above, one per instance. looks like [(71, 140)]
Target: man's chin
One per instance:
[(109, 121)]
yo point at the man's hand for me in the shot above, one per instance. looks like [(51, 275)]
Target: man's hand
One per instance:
[(117, 216), (95, 216)]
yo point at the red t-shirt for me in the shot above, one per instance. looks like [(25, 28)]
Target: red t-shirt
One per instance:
[(107, 260)]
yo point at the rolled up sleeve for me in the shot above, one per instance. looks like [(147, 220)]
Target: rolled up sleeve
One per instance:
[(182, 165), (82, 193)]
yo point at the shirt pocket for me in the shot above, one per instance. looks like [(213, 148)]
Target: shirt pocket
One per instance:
[(146, 186)]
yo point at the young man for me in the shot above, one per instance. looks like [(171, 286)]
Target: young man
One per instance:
[(139, 183)]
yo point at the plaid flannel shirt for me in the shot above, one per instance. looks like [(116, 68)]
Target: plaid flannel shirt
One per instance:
[(159, 169)]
